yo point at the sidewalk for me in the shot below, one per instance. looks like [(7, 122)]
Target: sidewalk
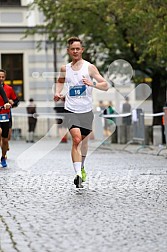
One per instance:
[(122, 207), (138, 148)]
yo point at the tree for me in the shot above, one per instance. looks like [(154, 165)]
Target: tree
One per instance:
[(132, 30)]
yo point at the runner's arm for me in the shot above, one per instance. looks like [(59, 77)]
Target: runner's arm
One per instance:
[(4, 97), (14, 103), (100, 83), (60, 84)]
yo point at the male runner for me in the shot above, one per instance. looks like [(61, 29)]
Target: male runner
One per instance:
[(78, 76), (5, 116)]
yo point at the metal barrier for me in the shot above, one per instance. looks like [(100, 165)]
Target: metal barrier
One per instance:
[(165, 130), (165, 121), (20, 125), (138, 129), (16, 134), (138, 135), (47, 120)]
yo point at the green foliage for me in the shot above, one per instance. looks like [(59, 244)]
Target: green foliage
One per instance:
[(133, 30)]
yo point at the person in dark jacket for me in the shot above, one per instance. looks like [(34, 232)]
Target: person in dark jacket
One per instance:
[(32, 121), (126, 108)]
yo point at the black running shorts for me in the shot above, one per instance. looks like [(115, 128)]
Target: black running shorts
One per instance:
[(5, 129), (83, 121)]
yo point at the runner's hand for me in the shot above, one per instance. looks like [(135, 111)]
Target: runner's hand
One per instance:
[(58, 97), (7, 105), (62, 98), (11, 102), (87, 82)]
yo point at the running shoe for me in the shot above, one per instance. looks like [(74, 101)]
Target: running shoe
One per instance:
[(64, 140), (3, 162), (83, 174), (78, 182)]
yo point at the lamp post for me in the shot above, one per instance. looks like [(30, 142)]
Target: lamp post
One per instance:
[(47, 42)]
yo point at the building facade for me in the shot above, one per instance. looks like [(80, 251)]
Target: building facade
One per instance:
[(30, 71), (25, 64)]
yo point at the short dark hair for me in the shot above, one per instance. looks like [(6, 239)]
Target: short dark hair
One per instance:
[(126, 98), (31, 100), (71, 40), (3, 71)]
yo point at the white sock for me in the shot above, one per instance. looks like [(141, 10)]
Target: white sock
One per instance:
[(77, 168)]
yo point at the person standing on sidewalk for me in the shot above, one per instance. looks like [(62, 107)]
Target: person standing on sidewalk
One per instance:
[(127, 120), (126, 108), (32, 121), (78, 76), (5, 116), (110, 121)]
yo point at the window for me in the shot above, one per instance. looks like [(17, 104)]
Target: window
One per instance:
[(13, 64), (10, 2)]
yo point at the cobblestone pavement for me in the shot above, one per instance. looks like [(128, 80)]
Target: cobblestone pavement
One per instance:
[(123, 206)]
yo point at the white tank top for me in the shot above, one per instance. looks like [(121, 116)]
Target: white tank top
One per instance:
[(79, 96)]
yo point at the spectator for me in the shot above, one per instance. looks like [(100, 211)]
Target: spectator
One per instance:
[(126, 108), (32, 121), (108, 122)]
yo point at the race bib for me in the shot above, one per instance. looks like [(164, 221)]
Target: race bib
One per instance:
[(4, 118), (76, 91)]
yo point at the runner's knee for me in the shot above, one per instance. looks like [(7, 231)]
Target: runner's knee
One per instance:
[(77, 140)]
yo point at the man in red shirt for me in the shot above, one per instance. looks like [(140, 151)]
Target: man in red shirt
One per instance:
[(5, 115)]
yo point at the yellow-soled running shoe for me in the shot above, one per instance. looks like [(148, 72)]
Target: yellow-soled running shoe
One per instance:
[(83, 172)]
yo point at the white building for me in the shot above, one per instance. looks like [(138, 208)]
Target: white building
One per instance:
[(26, 65)]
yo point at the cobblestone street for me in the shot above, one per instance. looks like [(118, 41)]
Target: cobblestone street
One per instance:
[(123, 206)]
